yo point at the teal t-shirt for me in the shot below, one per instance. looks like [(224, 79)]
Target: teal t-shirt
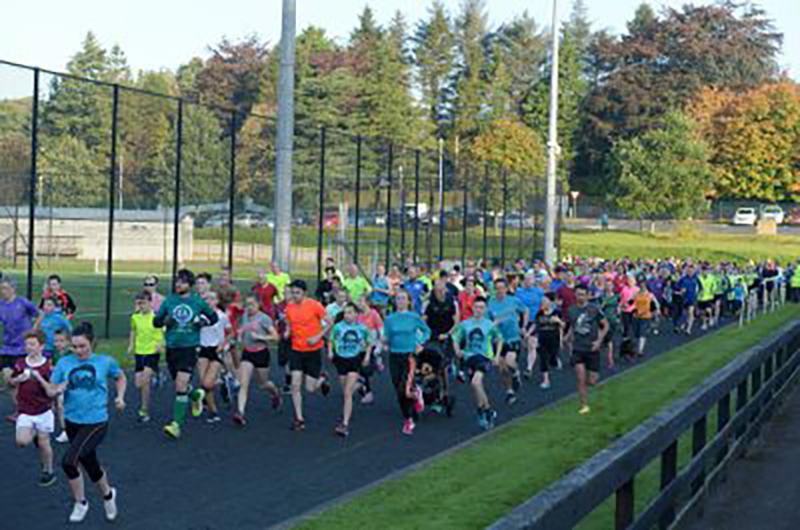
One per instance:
[(477, 337), (506, 314), (86, 396), (183, 317), (404, 331), (349, 340)]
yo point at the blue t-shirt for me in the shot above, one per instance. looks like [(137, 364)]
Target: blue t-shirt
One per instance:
[(416, 289), (531, 298), (506, 315), (404, 331), (349, 340), (689, 284), (379, 282), (477, 337), (15, 317), (86, 396), (51, 324)]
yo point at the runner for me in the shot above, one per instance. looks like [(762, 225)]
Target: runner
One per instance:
[(549, 329), (371, 319), (530, 295), (181, 315), (349, 355), (267, 294), (404, 334), (16, 316), (35, 422), (150, 285), (508, 313), (212, 350), (705, 298), (51, 321), (688, 286), (145, 343), (63, 301), (83, 380), (643, 302), (416, 289), (355, 284), (587, 330), (306, 325), (609, 302), (441, 316), (62, 346), (254, 333), (380, 294), (278, 278), (479, 335)]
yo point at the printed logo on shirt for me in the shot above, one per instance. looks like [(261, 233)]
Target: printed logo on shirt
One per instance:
[(476, 339), (83, 377), (183, 314), (350, 341)]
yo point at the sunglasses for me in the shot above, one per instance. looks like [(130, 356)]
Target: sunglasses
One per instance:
[(150, 284)]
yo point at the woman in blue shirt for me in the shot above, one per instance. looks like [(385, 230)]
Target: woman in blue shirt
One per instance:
[(404, 333), (83, 380)]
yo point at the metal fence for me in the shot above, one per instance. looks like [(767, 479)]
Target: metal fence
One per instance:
[(102, 183)]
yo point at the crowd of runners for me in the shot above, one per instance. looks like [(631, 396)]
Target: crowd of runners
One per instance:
[(431, 328)]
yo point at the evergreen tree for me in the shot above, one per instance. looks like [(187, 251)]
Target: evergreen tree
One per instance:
[(470, 86)]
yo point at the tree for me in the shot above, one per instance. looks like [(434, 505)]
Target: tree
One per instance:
[(755, 140), (663, 172), (70, 175), (469, 83)]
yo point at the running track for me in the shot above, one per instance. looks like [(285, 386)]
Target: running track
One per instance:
[(222, 477)]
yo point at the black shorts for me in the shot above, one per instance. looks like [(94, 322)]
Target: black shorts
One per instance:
[(182, 360), (210, 353), (590, 359), (7, 362), (477, 363), (511, 347), (348, 365), (308, 362), (147, 361), (259, 359), (641, 327), (706, 305), (284, 350)]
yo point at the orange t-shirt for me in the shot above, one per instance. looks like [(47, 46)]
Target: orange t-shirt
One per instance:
[(641, 302), (305, 321)]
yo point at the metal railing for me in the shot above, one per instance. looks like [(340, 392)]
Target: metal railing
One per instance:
[(750, 384)]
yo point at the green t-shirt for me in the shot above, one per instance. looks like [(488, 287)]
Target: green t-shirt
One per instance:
[(183, 317), (280, 281), (349, 340), (147, 337), (708, 286), (477, 337), (356, 287)]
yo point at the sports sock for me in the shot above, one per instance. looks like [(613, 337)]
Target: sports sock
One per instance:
[(179, 408)]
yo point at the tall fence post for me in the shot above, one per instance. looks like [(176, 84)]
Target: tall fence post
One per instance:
[(505, 218), (430, 223), (321, 204), (402, 208), (485, 209), (416, 205), (112, 193), (32, 184), (389, 206), (464, 224), (358, 199), (625, 506), (698, 443), (232, 193), (669, 470), (177, 206)]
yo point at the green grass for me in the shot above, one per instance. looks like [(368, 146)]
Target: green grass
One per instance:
[(476, 485)]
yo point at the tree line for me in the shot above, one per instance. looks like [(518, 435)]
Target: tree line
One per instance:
[(686, 104)]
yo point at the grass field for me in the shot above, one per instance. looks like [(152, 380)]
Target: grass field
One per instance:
[(474, 486)]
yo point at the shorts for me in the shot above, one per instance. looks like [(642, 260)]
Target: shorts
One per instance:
[(511, 347), (590, 359), (284, 350), (210, 353), (719, 298), (689, 303), (705, 305), (259, 358), (612, 331), (641, 327), (147, 361), (182, 360), (477, 363), (308, 362), (348, 365), (44, 422), (7, 362)]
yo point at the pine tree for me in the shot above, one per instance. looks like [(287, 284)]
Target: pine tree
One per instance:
[(471, 30)]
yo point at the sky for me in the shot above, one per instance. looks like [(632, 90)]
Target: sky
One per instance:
[(158, 34)]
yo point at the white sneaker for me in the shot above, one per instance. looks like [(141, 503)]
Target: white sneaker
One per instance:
[(62, 438), (111, 505), (79, 512)]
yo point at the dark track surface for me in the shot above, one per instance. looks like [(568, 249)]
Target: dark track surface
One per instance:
[(222, 477)]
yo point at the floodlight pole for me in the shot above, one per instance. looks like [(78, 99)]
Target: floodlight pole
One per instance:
[(550, 250), (282, 240)]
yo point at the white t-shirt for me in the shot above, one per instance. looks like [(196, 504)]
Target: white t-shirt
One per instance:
[(213, 336)]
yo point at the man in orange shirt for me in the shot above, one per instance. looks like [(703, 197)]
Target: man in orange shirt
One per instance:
[(306, 324)]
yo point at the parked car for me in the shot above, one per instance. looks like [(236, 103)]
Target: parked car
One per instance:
[(216, 221), (793, 217), (515, 220), (251, 220), (773, 212), (745, 216)]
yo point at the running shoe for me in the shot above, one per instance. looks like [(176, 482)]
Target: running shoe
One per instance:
[(224, 392), (368, 399), (172, 430), (483, 421), (47, 479), (527, 374), (297, 425), (62, 438), (491, 417), (287, 389), (143, 416), (79, 511), (110, 505), (461, 377), (584, 410), (437, 408), (545, 385), (239, 420), (324, 386), (213, 417), (419, 400), (408, 427), (197, 402), (511, 397), (342, 430), (559, 364), (516, 382), (276, 400)]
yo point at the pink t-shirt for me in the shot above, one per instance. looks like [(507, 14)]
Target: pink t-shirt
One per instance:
[(626, 295)]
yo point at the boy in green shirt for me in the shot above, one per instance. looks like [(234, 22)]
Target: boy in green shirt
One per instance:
[(183, 314), (145, 343)]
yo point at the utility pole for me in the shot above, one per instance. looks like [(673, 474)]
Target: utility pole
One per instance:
[(550, 250), (282, 240)]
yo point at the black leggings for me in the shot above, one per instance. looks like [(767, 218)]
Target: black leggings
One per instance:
[(83, 441), (548, 354), (400, 366)]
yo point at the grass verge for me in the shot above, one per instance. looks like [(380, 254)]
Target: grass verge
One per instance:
[(476, 485)]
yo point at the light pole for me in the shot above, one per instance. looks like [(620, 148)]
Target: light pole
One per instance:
[(574, 194), (550, 250)]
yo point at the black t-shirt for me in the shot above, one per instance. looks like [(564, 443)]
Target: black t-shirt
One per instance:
[(547, 327), (441, 315)]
